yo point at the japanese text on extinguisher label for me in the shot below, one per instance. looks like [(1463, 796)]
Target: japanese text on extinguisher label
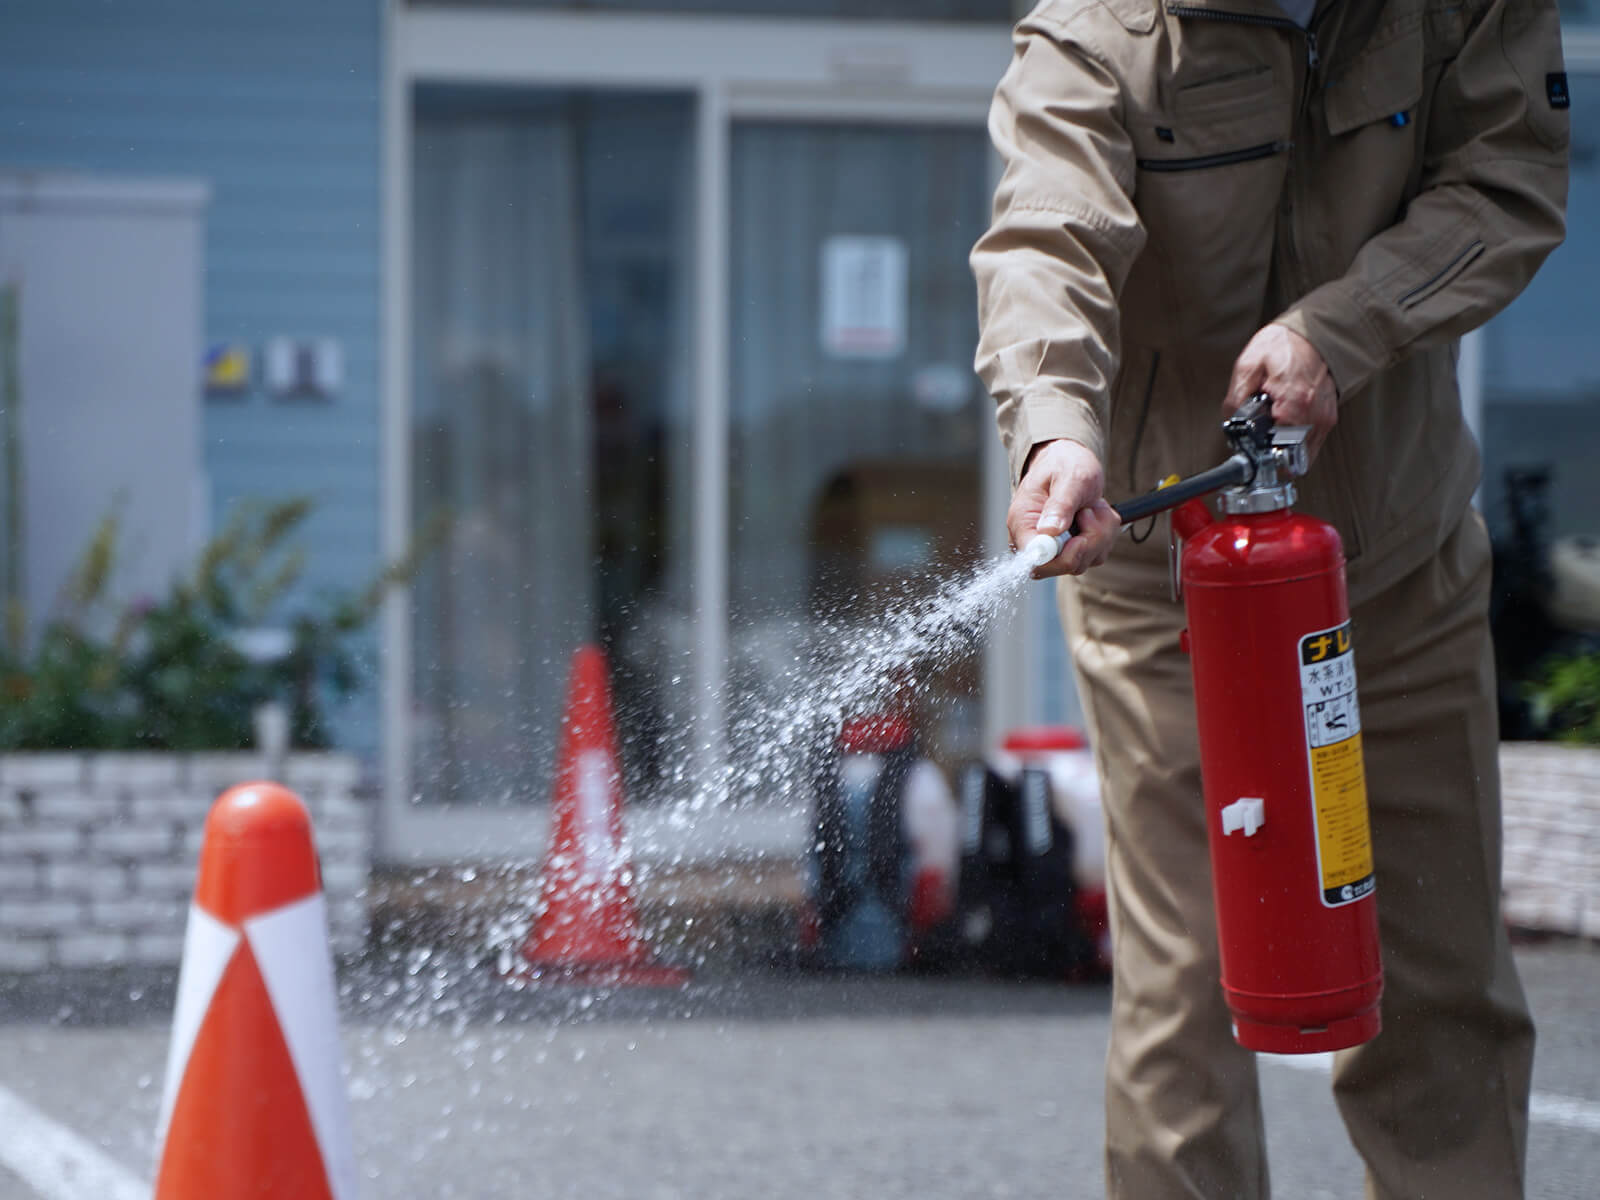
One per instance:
[(1338, 779)]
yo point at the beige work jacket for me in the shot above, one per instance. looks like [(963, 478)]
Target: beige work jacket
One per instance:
[(1176, 177)]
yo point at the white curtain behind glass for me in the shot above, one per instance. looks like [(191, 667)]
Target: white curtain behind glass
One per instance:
[(799, 414), (501, 440), (807, 423)]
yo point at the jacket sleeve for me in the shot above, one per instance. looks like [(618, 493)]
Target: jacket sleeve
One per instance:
[(1491, 205), (1064, 234)]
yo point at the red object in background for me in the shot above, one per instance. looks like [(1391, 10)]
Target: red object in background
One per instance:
[(1285, 792), (931, 892), (1043, 739), (930, 901), (880, 733), (1094, 918), (587, 928)]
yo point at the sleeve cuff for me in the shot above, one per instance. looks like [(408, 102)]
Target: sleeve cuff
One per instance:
[(1047, 417), (1333, 319)]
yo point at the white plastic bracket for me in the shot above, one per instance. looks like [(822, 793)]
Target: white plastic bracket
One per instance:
[(1248, 813)]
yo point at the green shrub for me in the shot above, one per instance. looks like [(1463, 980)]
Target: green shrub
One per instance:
[(174, 673), (1565, 698)]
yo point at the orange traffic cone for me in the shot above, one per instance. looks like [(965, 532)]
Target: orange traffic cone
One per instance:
[(254, 1104), (587, 929)]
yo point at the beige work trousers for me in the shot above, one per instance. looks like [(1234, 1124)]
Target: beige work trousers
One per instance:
[(1437, 1103)]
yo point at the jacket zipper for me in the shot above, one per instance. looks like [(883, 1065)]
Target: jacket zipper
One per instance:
[(1313, 59), (1226, 159), (1439, 278)]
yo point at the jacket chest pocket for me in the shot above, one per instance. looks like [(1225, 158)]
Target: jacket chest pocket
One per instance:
[(1375, 108), (1209, 180), (1380, 88)]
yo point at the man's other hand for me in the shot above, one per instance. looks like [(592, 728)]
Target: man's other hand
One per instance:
[(1062, 484), (1281, 363)]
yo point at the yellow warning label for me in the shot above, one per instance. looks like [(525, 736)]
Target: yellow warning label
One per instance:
[(1338, 777), (1339, 788)]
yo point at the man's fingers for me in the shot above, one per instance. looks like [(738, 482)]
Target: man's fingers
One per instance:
[(1097, 528), (1061, 478)]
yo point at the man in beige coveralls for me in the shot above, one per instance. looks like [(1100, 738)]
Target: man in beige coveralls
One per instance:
[(1312, 200)]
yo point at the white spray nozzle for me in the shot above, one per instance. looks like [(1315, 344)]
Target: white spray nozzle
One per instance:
[(1043, 547)]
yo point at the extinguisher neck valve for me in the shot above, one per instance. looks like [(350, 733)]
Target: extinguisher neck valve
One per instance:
[(1277, 463)]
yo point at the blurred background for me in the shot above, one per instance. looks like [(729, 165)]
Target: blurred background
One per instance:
[(641, 321)]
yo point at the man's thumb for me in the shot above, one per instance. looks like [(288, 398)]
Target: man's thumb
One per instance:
[(1058, 506), (1248, 376)]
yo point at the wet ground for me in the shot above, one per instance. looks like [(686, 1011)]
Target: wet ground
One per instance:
[(756, 1083)]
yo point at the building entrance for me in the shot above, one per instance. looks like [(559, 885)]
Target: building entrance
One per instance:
[(684, 328)]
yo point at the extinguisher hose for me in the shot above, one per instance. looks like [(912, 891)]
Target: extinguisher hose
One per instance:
[(1235, 472), (1238, 470)]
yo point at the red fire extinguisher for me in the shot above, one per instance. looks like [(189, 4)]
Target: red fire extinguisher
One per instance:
[(1280, 746), (1280, 750)]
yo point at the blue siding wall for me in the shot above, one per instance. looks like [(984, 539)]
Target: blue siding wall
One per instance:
[(276, 105)]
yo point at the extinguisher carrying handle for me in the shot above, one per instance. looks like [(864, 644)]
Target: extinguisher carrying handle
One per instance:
[(1256, 444)]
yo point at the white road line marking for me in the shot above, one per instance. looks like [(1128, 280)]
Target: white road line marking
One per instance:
[(1300, 1062), (1547, 1108), (57, 1163), (1565, 1110)]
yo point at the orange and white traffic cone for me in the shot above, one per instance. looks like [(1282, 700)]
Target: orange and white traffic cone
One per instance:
[(254, 1104), (587, 928)]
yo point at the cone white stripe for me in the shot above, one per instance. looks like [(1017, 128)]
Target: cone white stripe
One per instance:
[(291, 948), (596, 778), (208, 947)]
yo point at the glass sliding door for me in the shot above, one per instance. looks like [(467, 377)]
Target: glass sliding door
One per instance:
[(855, 420), (679, 346), (549, 422)]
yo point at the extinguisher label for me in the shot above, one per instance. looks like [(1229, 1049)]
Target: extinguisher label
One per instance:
[(1338, 778)]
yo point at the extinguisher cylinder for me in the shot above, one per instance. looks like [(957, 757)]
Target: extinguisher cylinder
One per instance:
[(1285, 794)]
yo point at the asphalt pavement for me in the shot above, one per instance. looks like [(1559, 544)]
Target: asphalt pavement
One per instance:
[(756, 1083)]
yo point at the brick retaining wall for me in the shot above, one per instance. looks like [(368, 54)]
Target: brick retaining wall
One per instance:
[(98, 851), (1551, 874)]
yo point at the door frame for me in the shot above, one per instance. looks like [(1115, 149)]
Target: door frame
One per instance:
[(737, 68)]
